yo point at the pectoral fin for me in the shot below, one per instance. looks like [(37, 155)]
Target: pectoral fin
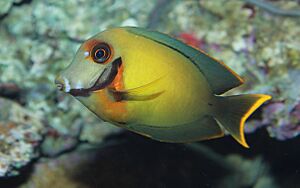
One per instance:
[(138, 94), (128, 96), (202, 129)]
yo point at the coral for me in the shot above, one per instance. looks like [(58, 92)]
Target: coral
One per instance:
[(247, 173), (96, 134), (263, 48), (55, 173), (5, 6), (20, 134), (40, 38)]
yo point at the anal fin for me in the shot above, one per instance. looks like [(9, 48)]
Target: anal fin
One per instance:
[(202, 129)]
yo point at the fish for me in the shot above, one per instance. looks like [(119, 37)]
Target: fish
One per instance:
[(157, 86)]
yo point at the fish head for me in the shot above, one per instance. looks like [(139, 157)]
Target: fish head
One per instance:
[(94, 67)]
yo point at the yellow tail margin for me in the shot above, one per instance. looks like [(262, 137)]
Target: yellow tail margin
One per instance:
[(233, 111)]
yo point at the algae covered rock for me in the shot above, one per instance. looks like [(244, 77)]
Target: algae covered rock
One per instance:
[(260, 45), (5, 6), (40, 38), (20, 135)]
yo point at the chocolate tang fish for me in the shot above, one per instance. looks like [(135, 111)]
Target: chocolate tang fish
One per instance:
[(157, 86)]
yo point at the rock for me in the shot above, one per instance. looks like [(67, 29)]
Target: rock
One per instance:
[(5, 6), (20, 134)]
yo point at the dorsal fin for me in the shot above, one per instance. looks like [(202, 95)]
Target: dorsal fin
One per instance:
[(220, 77)]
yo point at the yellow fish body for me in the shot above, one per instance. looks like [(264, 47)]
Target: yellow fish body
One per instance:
[(157, 86)]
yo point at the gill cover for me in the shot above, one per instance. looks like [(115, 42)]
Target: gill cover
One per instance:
[(93, 68)]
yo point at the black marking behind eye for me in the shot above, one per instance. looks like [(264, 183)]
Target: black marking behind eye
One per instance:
[(86, 92)]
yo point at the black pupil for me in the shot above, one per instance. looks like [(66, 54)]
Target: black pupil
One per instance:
[(100, 54)]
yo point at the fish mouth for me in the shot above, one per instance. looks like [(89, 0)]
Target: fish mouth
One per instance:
[(105, 79)]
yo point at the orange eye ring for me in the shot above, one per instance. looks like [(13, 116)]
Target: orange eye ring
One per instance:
[(101, 53)]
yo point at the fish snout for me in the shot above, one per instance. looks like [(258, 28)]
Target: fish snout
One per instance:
[(60, 83)]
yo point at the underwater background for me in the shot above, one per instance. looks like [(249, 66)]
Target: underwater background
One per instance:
[(48, 139)]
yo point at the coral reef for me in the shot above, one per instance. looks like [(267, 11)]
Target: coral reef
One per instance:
[(118, 164), (247, 173), (39, 38), (263, 48), (20, 135)]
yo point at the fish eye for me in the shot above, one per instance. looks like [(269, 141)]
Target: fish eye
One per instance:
[(101, 53)]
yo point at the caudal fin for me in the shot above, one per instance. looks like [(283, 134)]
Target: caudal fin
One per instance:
[(233, 111)]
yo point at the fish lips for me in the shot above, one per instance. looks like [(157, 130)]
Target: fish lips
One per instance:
[(105, 79)]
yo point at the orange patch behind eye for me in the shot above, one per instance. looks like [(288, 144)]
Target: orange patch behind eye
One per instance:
[(115, 111), (118, 83), (89, 44)]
